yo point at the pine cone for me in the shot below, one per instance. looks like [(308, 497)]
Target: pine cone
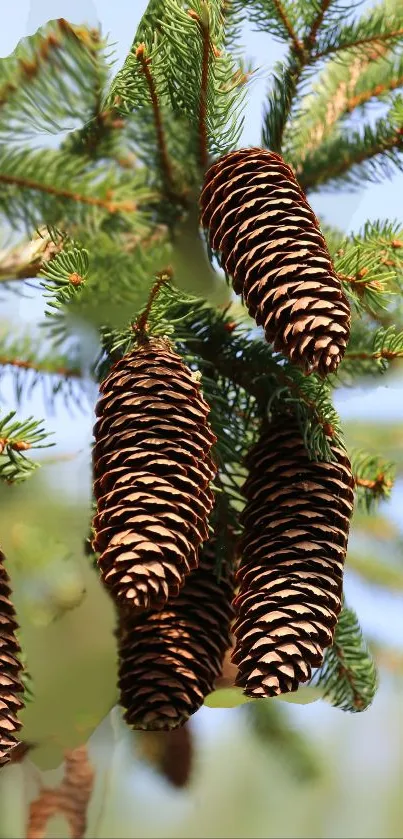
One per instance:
[(170, 659), (270, 242), (10, 668), (296, 522), (152, 470)]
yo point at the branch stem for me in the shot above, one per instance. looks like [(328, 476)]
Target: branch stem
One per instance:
[(166, 165), (106, 203)]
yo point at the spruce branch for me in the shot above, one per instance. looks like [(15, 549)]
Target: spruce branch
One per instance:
[(202, 125), (349, 156), (16, 438), (297, 45), (112, 206), (373, 478), (348, 675), (145, 63)]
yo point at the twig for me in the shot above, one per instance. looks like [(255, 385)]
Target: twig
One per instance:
[(364, 154), (377, 90), (311, 37), (36, 365), (297, 44), (166, 165), (344, 672), (376, 485), (26, 260), (371, 39), (140, 325), (387, 354), (107, 204), (202, 125)]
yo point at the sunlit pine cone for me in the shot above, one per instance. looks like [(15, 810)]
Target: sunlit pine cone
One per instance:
[(152, 469), (169, 660), (296, 524), (11, 687), (269, 241)]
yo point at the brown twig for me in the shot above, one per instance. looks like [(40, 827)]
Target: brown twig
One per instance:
[(344, 672), (202, 125), (107, 204), (166, 164), (36, 365), (386, 354), (297, 44), (376, 485), (377, 90), (364, 154), (140, 325), (311, 37), (371, 39)]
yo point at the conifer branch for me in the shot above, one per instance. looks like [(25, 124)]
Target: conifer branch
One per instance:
[(106, 203), (376, 38), (316, 24), (166, 165), (373, 93), (41, 366), (202, 125), (348, 674), (28, 69), (297, 45)]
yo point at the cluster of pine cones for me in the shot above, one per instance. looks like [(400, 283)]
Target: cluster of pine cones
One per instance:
[(154, 467)]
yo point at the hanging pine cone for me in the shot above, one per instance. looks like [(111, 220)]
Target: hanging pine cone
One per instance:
[(296, 522), (152, 470), (170, 659), (270, 242), (11, 687)]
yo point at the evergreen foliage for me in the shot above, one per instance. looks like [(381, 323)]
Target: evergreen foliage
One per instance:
[(106, 208)]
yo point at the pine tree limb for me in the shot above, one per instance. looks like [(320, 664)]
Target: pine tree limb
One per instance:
[(40, 367), (166, 165), (297, 45), (28, 69), (106, 203), (310, 39), (373, 93), (202, 126), (377, 38)]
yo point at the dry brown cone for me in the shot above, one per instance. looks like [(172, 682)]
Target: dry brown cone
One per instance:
[(70, 799), (270, 243), (171, 752), (11, 687), (152, 469), (169, 660), (296, 522)]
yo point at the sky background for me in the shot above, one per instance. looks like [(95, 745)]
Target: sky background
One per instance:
[(379, 614)]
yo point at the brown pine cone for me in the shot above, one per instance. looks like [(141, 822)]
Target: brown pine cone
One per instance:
[(296, 523), (11, 687), (170, 659), (270, 243), (152, 469)]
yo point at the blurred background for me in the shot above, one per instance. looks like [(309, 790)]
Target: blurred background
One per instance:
[(337, 775)]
